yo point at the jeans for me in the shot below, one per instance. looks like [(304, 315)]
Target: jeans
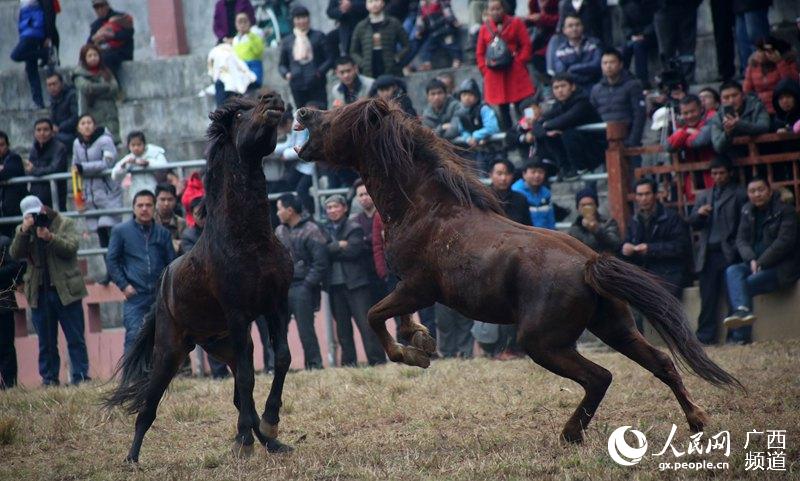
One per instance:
[(743, 285), (133, 312), (639, 51), (8, 354), (30, 50), (750, 27), (301, 305), (45, 319), (353, 304), (712, 281), (455, 333)]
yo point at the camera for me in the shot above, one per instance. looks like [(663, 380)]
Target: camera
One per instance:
[(41, 220)]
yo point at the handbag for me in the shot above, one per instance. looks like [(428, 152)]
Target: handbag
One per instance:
[(498, 55)]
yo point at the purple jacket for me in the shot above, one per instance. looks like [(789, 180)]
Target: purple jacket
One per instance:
[(221, 17)]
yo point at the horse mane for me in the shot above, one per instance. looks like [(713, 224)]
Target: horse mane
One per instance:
[(221, 119), (400, 145)]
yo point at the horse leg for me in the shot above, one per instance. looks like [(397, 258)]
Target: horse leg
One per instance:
[(617, 329), (400, 302), (418, 335), (278, 327), (242, 343), (223, 350), (165, 365)]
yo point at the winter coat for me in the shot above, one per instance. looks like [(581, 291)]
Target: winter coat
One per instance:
[(64, 114), (622, 102), (138, 181), (763, 84), (50, 158), (137, 255), (513, 83), (392, 35), (249, 47), (119, 28), (350, 258), (31, 21), (779, 236), (98, 96), (10, 271), (189, 238), (572, 112), (583, 61), (515, 206), (308, 246), (92, 157), (194, 188), (605, 239), (669, 246), (693, 147), (595, 17), (339, 94), (436, 120), (781, 119), (726, 211), (223, 28), (753, 120), (637, 17), (545, 27), (11, 195), (357, 12), (61, 255), (540, 205), (310, 76)]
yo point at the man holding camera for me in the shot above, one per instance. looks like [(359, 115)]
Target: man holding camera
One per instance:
[(53, 286)]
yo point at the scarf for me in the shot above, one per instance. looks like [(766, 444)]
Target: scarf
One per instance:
[(302, 52)]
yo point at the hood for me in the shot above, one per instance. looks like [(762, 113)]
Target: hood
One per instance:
[(785, 86), (99, 131), (469, 85)]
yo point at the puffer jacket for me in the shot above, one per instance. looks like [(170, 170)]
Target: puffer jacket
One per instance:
[(137, 255), (31, 21), (605, 239), (763, 83), (392, 35), (308, 246), (621, 102), (92, 156), (98, 96)]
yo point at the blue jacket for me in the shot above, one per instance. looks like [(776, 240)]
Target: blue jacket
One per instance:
[(488, 127), (31, 21), (582, 62), (137, 256), (539, 205)]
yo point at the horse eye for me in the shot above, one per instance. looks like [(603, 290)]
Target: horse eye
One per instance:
[(239, 115)]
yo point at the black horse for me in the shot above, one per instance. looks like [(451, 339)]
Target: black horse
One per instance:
[(237, 271)]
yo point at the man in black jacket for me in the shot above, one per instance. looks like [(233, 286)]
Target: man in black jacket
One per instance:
[(10, 195), (305, 66), (348, 284), (346, 13), (307, 243), (618, 97), (601, 234), (658, 239), (9, 271), (716, 216), (63, 109), (515, 205), (767, 243), (556, 134), (48, 156)]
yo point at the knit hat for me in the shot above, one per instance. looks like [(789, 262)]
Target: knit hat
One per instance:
[(30, 205), (586, 192)]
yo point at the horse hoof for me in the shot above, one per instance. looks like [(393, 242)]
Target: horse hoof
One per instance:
[(571, 438), (416, 357), (423, 340), (698, 420), (276, 447), (242, 450), (267, 429)]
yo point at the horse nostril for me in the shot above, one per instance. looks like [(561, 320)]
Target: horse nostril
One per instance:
[(302, 113)]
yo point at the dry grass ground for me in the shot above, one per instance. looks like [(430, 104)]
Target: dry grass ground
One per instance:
[(476, 419)]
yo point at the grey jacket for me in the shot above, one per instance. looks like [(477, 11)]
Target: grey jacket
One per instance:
[(100, 191), (351, 258), (338, 97), (606, 239), (435, 120), (308, 246), (780, 236), (727, 211), (621, 102), (754, 120)]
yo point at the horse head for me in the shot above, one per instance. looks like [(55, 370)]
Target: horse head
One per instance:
[(249, 125)]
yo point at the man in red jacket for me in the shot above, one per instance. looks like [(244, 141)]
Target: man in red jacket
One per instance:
[(693, 141)]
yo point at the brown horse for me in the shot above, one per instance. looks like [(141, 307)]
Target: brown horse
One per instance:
[(449, 243), (237, 271)]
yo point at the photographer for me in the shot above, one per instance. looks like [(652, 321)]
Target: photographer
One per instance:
[(53, 287)]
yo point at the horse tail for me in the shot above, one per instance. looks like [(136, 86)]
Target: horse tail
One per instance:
[(135, 365), (614, 278)]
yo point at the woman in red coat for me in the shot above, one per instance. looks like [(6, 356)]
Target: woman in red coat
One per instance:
[(511, 84), (772, 62)]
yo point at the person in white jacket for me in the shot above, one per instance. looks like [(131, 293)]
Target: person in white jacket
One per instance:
[(141, 155)]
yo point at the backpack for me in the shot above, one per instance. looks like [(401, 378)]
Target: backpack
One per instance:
[(498, 55)]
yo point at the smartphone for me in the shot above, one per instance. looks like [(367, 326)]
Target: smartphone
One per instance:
[(589, 212), (728, 110), (528, 112)]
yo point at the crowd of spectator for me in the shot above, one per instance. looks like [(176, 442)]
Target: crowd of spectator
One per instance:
[(544, 77)]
